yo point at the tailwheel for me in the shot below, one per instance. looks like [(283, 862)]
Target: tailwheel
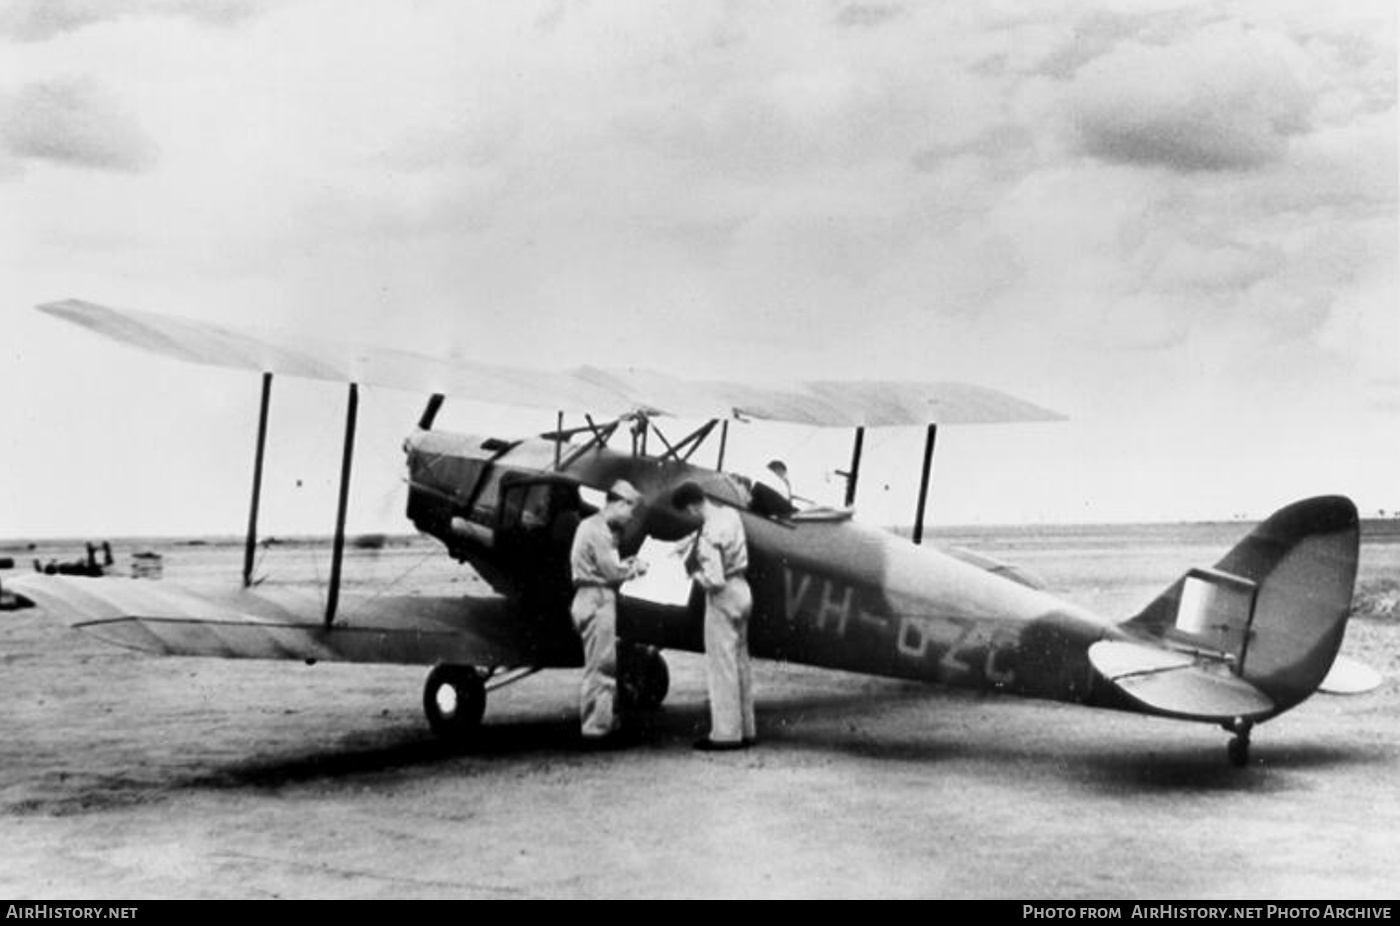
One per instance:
[(454, 698), (644, 678), (1238, 748)]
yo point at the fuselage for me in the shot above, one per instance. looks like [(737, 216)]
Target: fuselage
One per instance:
[(828, 590)]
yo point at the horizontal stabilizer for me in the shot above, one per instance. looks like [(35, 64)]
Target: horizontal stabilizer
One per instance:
[(1178, 684), (180, 619), (820, 403), (1347, 676)]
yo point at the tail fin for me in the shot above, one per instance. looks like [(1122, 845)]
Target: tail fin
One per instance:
[(1275, 607)]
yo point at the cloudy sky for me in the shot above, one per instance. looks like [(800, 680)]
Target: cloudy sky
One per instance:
[(1175, 223)]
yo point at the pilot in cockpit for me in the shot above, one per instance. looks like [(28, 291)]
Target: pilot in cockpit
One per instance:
[(771, 492)]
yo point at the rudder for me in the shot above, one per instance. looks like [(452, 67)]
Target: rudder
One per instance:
[(1276, 605)]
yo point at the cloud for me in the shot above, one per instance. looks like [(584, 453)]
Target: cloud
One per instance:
[(41, 20), (867, 14), (1183, 266), (1095, 34), (1363, 329), (1126, 209), (74, 122), (998, 144), (1228, 98)]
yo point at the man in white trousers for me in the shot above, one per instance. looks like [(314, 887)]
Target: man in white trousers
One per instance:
[(718, 564), (598, 570)]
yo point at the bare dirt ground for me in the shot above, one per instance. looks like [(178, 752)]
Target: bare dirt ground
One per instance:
[(125, 776)]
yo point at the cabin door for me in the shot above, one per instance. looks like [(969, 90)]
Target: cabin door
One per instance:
[(534, 535)]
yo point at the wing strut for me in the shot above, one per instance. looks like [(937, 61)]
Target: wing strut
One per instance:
[(558, 440), (352, 407), (923, 483), (853, 476), (251, 544), (600, 439), (687, 446), (670, 450), (430, 412)]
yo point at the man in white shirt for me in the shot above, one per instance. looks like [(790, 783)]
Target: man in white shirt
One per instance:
[(598, 569), (718, 563)]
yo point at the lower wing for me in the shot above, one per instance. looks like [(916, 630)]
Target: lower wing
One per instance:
[(173, 618)]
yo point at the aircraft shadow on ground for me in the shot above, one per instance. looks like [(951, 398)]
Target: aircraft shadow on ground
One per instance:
[(967, 726), (848, 723), (1196, 767), (516, 737), (961, 727)]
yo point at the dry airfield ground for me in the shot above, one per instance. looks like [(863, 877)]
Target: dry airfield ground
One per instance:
[(128, 776)]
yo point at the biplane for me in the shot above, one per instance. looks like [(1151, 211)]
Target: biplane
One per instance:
[(1233, 644)]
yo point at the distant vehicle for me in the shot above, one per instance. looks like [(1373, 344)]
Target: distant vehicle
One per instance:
[(147, 564), (9, 601), (1233, 644), (88, 566)]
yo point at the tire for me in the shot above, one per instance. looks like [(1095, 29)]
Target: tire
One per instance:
[(645, 680), (1238, 751), (454, 699)]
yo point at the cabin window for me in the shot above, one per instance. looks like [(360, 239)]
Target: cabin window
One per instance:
[(528, 508)]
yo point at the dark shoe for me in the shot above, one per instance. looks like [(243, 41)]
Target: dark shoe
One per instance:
[(709, 745), (597, 744)]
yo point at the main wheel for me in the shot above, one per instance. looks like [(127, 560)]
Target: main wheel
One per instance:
[(645, 678), (1238, 749), (454, 698)]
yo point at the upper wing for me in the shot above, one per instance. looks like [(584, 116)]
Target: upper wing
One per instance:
[(821, 403), (173, 618), (586, 389), (221, 346)]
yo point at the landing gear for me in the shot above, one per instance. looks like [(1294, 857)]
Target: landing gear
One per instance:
[(454, 698), (643, 678), (1238, 748)]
